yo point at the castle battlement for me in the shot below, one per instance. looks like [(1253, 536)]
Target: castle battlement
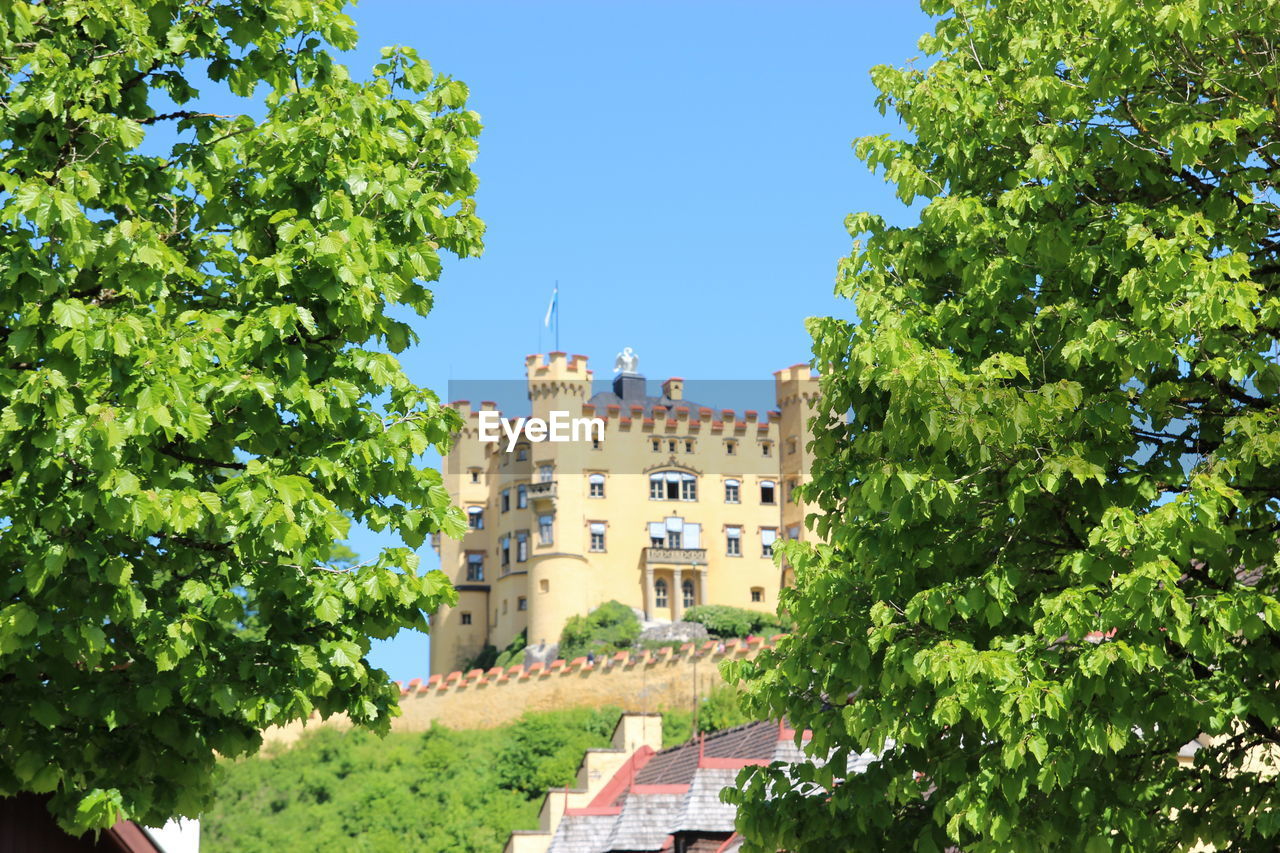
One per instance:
[(634, 681), (712, 650)]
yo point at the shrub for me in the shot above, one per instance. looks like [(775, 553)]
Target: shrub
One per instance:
[(611, 627), (723, 621)]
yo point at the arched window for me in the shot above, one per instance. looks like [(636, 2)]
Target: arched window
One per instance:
[(673, 486), (686, 589), (731, 491), (659, 593), (595, 486)]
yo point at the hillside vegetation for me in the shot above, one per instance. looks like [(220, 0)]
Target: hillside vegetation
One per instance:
[(442, 789)]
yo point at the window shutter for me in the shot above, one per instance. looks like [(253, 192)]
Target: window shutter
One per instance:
[(693, 536), (657, 530)]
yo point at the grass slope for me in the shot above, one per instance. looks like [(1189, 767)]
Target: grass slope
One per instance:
[(440, 790)]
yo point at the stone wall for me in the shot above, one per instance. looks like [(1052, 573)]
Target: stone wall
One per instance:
[(480, 699)]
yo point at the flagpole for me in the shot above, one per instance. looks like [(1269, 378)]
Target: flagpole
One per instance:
[(557, 314)]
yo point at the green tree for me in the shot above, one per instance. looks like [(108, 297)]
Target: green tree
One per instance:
[(197, 383), (1048, 451)]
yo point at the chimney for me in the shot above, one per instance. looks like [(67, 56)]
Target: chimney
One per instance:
[(673, 388)]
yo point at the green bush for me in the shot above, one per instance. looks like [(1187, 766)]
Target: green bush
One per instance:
[(611, 627), (514, 653), (541, 752), (490, 657), (721, 709), (723, 621)]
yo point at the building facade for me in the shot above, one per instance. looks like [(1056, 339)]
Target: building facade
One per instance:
[(666, 504)]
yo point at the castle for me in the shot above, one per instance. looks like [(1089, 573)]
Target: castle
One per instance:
[(665, 504)]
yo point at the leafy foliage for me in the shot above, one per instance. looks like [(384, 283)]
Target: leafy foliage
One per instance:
[(722, 620), (191, 349), (722, 709), (542, 752), (1051, 518), (438, 790), (611, 627), (490, 657)]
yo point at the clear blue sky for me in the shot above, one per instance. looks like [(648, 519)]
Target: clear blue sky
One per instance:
[(682, 168)]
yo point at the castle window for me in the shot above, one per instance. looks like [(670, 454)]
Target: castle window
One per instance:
[(595, 444), (730, 447), (688, 446), (657, 445), (731, 491), (475, 475), (791, 445), (522, 453), (522, 546), (673, 486), (522, 603), (506, 500), (791, 490), (686, 590), (522, 497), (504, 607), (475, 567), (767, 489), (733, 541), (504, 551), (544, 529), (595, 486), (757, 594), (544, 585), (768, 535), (466, 618), (674, 532), (475, 517), (659, 593), (793, 532), (597, 536), (546, 473), (766, 448)]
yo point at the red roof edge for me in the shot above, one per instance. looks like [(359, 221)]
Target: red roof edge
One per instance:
[(622, 777)]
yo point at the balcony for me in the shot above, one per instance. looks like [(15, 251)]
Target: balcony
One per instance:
[(542, 491), (679, 556)]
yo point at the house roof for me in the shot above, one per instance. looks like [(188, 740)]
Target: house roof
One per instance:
[(582, 834), (655, 796), (645, 821), (702, 810), (676, 766)]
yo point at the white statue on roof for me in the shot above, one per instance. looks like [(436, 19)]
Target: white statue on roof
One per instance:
[(626, 362)]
